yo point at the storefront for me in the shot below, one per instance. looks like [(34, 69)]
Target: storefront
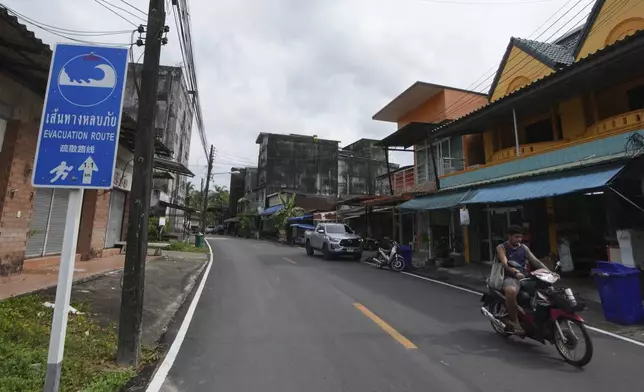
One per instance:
[(575, 215)]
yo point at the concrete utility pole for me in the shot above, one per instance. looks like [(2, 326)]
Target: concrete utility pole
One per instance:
[(131, 315), (204, 213)]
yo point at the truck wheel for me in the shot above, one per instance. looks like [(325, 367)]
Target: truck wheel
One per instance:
[(309, 250), (325, 251)]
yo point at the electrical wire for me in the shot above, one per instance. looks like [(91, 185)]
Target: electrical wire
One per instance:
[(107, 3), (50, 28), (483, 85), (182, 23), (115, 13), (135, 7), (609, 14)]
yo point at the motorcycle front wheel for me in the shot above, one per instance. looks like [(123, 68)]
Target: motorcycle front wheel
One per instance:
[(398, 263), (568, 346)]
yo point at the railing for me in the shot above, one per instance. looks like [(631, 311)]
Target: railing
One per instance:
[(622, 122), (404, 181), (450, 165), (511, 152)]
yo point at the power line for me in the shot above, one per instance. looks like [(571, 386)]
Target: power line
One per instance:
[(136, 8), (49, 28), (116, 13), (611, 12), (468, 100), (107, 3)]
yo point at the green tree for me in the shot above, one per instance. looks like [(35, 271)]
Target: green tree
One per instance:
[(288, 211)]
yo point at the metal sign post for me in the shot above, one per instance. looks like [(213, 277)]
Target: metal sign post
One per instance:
[(77, 146)]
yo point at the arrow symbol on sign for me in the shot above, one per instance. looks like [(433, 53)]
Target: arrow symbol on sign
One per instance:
[(88, 168)]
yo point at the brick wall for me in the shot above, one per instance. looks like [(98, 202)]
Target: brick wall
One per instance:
[(16, 193), (99, 227)]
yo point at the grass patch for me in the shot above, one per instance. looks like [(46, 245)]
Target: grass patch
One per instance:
[(90, 350), (179, 246)]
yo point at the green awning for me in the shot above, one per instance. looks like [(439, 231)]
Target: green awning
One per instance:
[(435, 202)]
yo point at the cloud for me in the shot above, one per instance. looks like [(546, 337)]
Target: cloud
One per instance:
[(313, 67)]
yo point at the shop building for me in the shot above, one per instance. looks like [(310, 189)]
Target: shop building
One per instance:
[(32, 220), (557, 149)]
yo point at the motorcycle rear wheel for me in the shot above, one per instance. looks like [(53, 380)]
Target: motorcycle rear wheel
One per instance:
[(398, 263), (562, 347)]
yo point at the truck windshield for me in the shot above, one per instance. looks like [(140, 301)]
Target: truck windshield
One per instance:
[(338, 229)]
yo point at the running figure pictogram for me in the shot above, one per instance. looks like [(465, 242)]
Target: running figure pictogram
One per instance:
[(61, 171)]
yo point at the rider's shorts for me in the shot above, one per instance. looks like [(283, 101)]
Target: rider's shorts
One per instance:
[(511, 282)]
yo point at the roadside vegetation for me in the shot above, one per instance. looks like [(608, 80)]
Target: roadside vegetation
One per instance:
[(179, 246), (90, 349)]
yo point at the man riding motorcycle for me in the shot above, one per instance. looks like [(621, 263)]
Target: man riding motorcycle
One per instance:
[(515, 258)]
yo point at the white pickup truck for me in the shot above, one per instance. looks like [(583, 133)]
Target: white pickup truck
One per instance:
[(334, 239)]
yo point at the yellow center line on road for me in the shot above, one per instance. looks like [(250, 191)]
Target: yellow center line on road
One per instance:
[(289, 260), (386, 327)]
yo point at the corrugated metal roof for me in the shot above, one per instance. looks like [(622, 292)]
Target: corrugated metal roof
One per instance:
[(24, 56), (538, 188)]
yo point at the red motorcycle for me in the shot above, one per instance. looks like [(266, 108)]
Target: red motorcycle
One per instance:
[(546, 313)]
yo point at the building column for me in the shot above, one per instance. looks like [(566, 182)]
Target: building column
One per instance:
[(93, 226), (16, 193), (552, 226)]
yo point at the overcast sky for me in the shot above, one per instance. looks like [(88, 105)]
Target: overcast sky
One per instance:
[(317, 66)]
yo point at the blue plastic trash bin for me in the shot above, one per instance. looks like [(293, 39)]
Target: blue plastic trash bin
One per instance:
[(406, 253), (619, 290)]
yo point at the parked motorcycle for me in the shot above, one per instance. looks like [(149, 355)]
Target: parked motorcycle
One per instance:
[(546, 313), (390, 257)]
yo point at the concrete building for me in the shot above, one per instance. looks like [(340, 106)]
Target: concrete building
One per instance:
[(359, 166), (237, 189), (300, 163), (173, 124)]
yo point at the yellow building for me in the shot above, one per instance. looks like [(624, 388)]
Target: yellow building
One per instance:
[(554, 148)]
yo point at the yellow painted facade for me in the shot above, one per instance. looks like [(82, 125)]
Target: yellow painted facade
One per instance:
[(519, 70), (616, 20)]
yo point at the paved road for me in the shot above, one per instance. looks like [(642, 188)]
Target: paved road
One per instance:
[(272, 319)]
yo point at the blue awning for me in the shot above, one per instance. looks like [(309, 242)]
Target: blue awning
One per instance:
[(303, 226), (300, 218), (436, 201), (536, 188), (272, 210)]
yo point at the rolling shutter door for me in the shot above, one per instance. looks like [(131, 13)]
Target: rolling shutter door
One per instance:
[(115, 218), (57, 218), (48, 222), (39, 219)]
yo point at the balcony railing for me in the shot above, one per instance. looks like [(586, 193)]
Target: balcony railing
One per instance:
[(620, 123), (450, 165), (511, 152)]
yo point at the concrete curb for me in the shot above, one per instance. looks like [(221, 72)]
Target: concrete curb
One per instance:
[(144, 376)]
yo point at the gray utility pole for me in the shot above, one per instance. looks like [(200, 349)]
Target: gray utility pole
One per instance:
[(204, 213), (129, 342)]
